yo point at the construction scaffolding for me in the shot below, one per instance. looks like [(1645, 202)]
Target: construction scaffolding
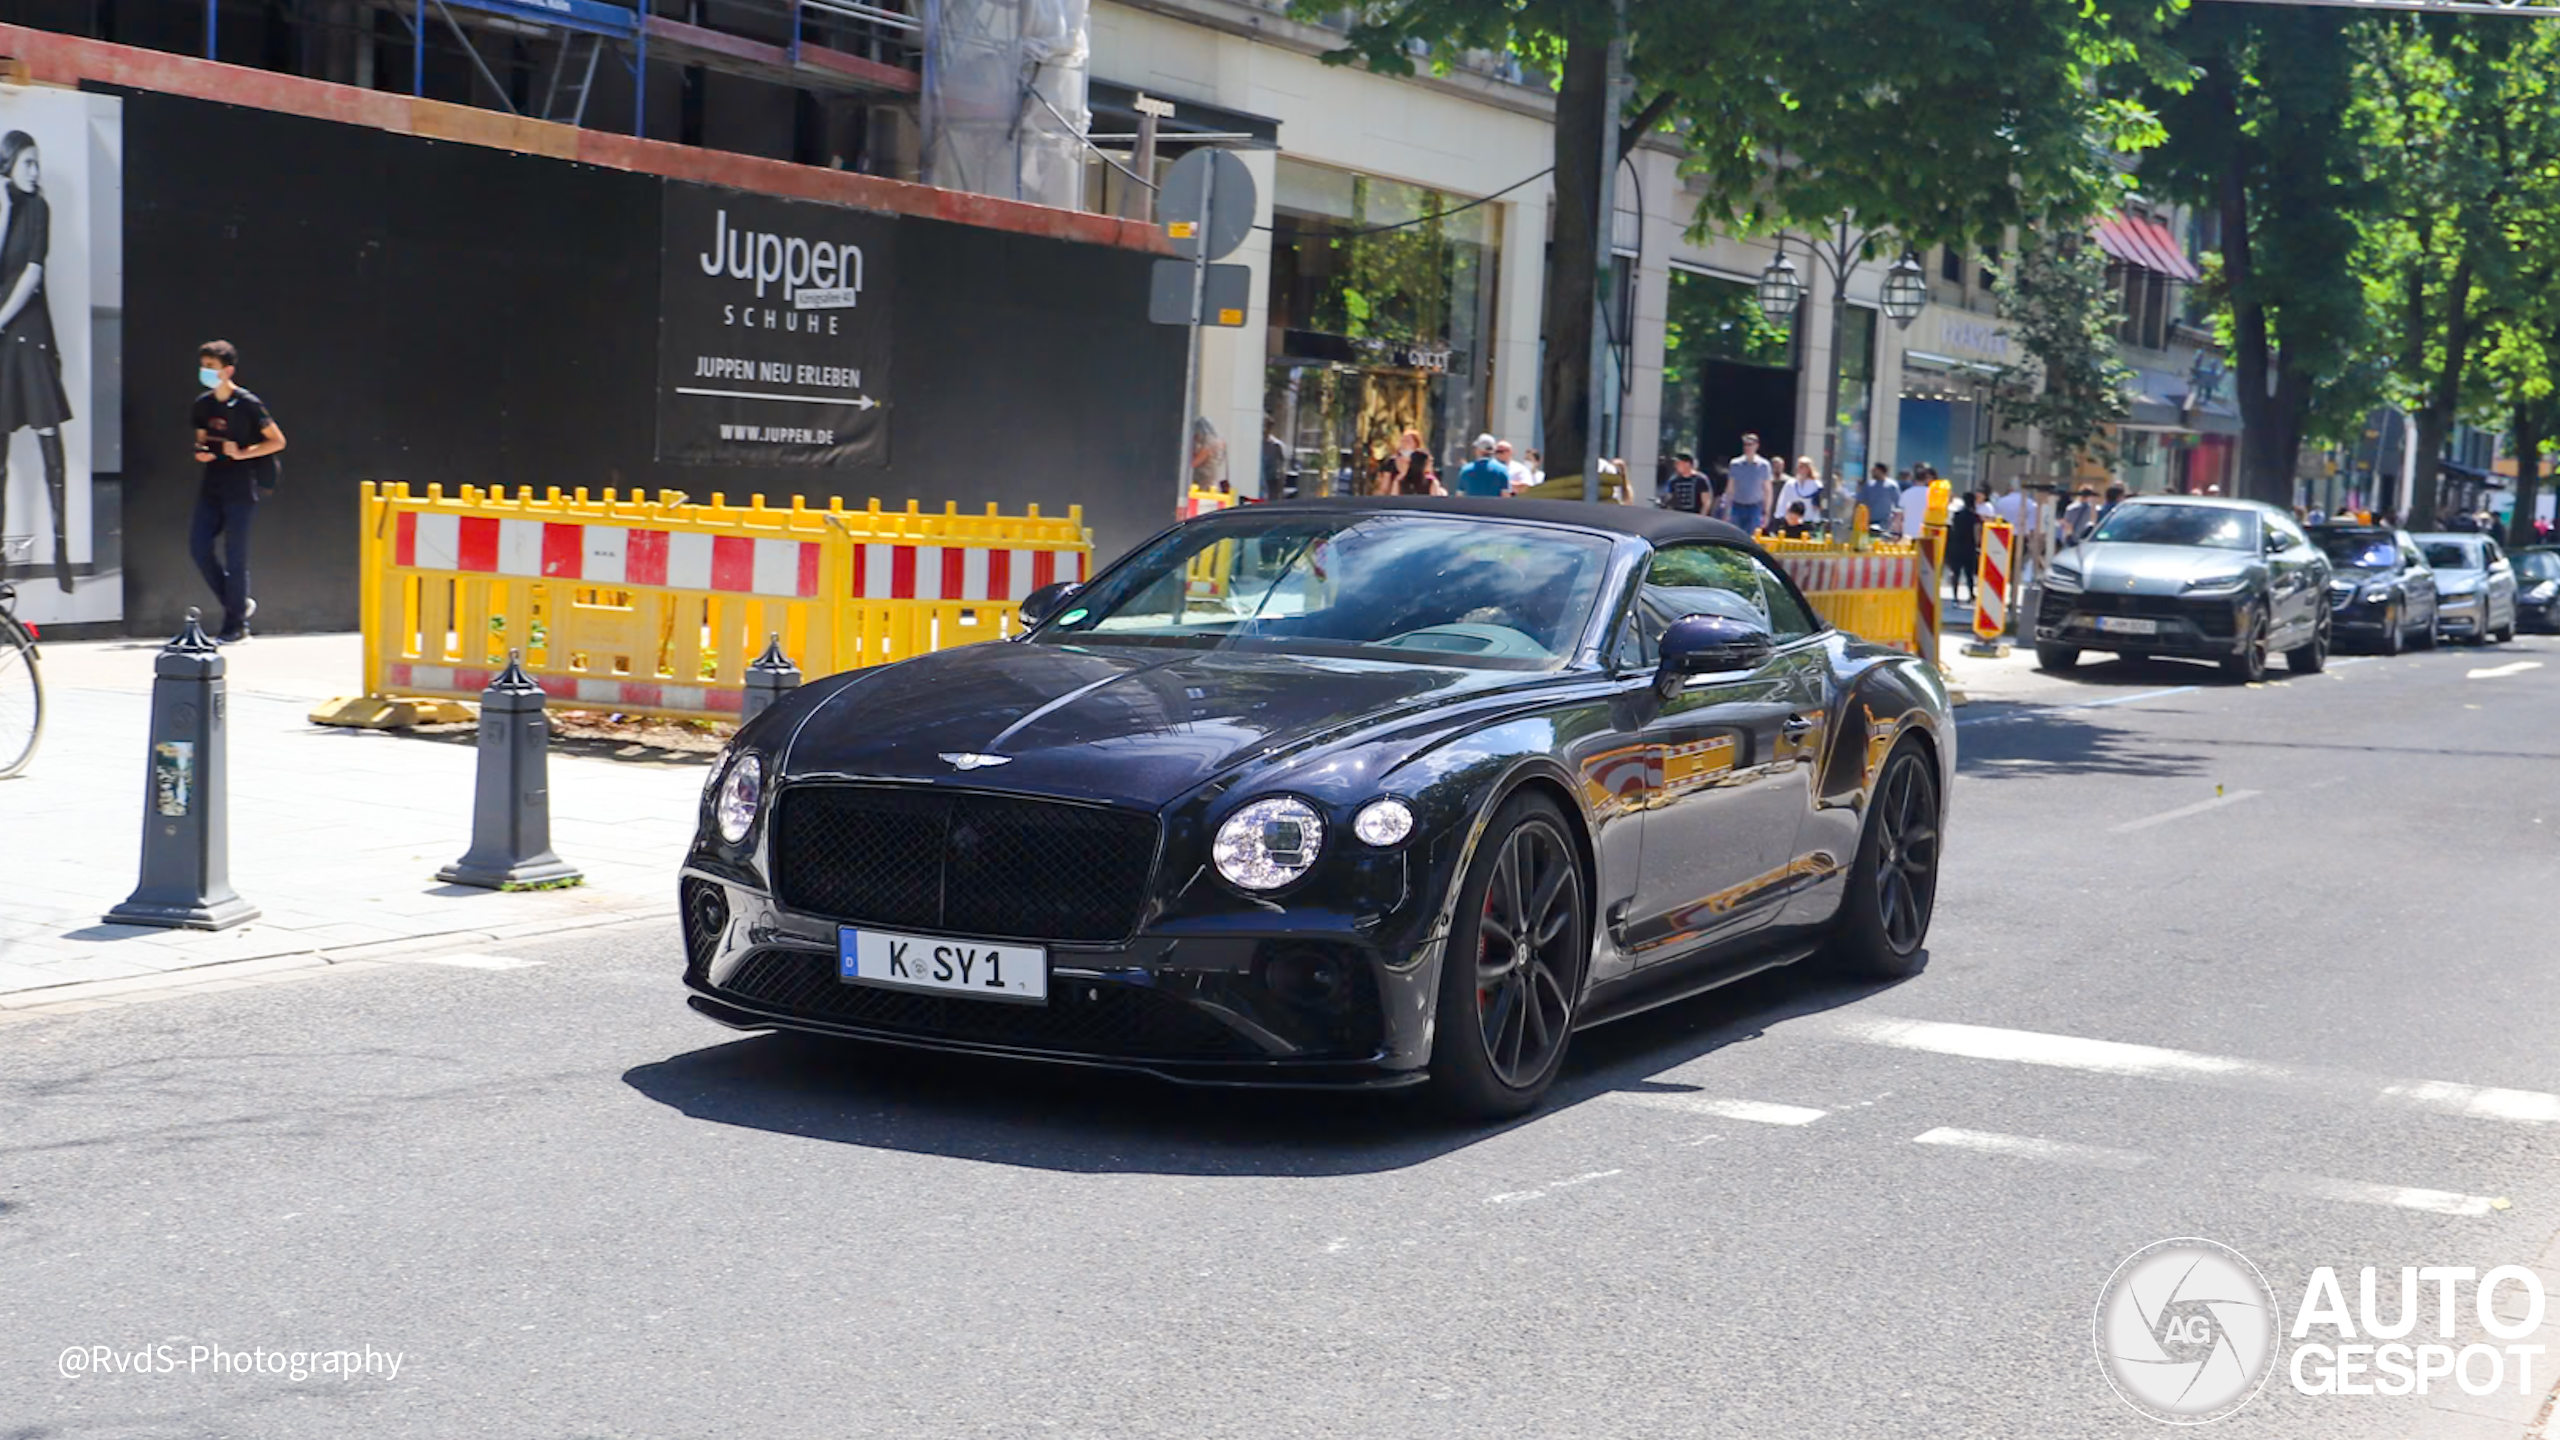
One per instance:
[(1004, 98)]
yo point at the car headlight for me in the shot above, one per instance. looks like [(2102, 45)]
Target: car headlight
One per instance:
[(1269, 843), (2062, 580), (2544, 591), (741, 795), (2212, 584), (2377, 594), (1383, 823)]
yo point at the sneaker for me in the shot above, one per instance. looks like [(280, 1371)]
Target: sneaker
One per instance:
[(232, 637)]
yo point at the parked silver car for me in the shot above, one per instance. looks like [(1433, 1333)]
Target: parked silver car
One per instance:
[(2475, 586), (2232, 581)]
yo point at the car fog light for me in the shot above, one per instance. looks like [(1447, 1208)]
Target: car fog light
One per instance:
[(1383, 822), (1269, 843), (740, 796)]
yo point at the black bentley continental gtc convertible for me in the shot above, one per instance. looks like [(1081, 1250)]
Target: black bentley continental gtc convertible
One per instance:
[(1344, 793)]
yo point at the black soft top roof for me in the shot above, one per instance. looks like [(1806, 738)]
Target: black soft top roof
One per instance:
[(1658, 526)]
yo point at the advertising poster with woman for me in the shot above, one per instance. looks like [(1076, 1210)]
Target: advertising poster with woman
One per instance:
[(59, 286)]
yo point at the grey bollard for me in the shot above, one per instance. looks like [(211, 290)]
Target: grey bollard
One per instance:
[(768, 676), (511, 801), (186, 850)]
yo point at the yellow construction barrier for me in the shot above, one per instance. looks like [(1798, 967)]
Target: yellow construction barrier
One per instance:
[(653, 605), (1868, 592)]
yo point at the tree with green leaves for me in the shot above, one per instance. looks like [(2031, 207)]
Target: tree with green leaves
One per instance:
[(1939, 121), (2262, 131), (2464, 119), (2073, 386)]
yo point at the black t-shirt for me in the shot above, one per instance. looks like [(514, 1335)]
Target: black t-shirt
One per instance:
[(241, 419), (1687, 492)]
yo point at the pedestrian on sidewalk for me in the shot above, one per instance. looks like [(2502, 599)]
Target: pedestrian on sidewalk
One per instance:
[(1517, 468), (1747, 482), (1879, 495), (236, 443), (1964, 542), (1795, 526), (1686, 490), (1805, 489), (2082, 517), (1486, 476), (1912, 510), (1417, 478)]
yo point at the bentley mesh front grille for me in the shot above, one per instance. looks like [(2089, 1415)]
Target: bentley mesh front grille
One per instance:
[(1097, 1018), (997, 867)]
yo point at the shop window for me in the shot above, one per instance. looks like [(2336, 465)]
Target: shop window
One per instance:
[(1951, 266)]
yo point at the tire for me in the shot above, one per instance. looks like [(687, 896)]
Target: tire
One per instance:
[(2504, 633), (2313, 658), (2056, 657), (2427, 635), (21, 699), (2394, 639), (1511, 977), (2250, 666), (1883, 929)]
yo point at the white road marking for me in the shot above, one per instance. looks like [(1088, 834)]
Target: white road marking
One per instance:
[(2513, 667), (1757, 1111), (2032, 711), (2183, 811), (2359, 1192), (2134, 699), (470, 962), (2113, 1057), (1586, 1179), (2029, 1148), (1509, 1196)]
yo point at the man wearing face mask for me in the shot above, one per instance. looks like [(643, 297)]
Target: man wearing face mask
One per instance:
[(236, 442)]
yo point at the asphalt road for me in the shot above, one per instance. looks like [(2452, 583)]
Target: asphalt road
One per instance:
[(1790, 1209)]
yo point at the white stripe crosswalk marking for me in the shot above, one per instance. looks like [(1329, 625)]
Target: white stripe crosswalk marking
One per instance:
[(2113, 1057), (2027, 1147), (1756, 1111), (2358, 1192), (2183, 811), (2512, 667)]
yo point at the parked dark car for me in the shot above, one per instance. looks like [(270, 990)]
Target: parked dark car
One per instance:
[(2475, 586), (2232, 581), (2381, 593), (1333, 792), (2537, 587)]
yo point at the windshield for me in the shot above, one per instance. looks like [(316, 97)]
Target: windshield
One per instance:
[(2358, 549), (2537, 565), (2454, 555), (1403, 586), (2213, 526)]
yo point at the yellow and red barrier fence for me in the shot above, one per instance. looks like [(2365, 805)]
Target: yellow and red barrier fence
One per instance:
[(1868, 592), (654, 605)]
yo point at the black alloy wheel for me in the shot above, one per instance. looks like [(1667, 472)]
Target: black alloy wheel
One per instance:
[(2393, 640), (2313, 658), (2250, 665), (1511, 981), (1893, 888)]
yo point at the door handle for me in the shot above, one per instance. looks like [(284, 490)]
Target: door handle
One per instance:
[(1797, 726)]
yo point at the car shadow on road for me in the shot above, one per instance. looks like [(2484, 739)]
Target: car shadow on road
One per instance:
[(2040, 744), (1103, 1122)]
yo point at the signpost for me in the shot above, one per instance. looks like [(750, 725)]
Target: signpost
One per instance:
[(1207, 206)]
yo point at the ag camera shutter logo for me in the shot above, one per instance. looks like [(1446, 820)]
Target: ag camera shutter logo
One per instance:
[(2186, 1331)]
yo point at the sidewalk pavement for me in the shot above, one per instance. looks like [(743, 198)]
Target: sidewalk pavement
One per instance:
[(336, 834)]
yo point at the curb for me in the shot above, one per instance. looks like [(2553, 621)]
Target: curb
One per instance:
[(307, 963)]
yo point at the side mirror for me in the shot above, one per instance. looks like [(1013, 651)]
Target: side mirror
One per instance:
[(1707, 644), (1044, 602), (2274, 542)]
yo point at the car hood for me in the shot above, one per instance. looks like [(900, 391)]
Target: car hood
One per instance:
[(1127, 724), (2451, 581), (2360, 574), (2123, 569)]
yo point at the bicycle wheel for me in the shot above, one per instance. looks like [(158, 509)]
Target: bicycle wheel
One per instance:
[(21, 698)]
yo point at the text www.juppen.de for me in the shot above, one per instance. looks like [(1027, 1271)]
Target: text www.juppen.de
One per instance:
[(777, 435)]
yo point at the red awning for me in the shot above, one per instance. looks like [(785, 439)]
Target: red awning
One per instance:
[(2147, 243)]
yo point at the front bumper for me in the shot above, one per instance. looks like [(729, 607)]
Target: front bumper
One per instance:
[(1324, 1002), (2204, 626), (2538, 614), (2353, 615), (2462, 614)]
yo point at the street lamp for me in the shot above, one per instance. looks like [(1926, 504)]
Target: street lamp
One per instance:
[(1906, 289), (1781, 289)]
